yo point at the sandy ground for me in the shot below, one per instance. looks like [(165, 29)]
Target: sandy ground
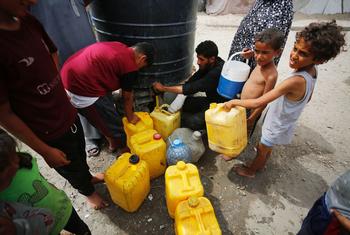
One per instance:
[(276, 201)]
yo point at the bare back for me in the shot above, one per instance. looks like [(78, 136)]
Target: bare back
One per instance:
[(260, 81)]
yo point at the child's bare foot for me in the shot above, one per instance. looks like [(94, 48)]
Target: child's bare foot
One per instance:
[(243, 170), (226, 158), (96, 201), (98, 178)]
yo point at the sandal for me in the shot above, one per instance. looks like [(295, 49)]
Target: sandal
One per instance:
[(93, 152)]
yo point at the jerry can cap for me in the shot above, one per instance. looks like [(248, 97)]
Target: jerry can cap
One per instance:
[(193, 201), (134, 159), (157, 136), (177, 142), (196, 135), (181, 165)]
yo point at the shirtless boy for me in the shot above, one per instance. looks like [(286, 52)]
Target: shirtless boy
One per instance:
[(263, 78)]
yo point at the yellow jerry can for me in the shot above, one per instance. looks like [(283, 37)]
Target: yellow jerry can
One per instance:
[(227, 130), (151, 148), (181, 181), (163, 121), (128, 181), (196, 216), (131, 129)]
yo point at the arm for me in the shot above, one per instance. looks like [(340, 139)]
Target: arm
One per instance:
[(128, 98), (174, 89), (270, 84), (55, 59), (286, 87), (13, 124), (345, 222)]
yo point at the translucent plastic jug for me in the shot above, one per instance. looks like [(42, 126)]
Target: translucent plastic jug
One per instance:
[(193, 139), (164, 121), (181, 181), (227, 131), (128, 181), (178, 151), (196, 216), (130, 129), (233, 76), (151, 148)]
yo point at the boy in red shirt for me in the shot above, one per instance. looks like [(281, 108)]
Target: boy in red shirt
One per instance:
[(33, 104)]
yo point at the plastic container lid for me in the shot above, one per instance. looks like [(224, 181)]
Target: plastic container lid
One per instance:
[(180, 165), (196, 135), (134, 159), (177, 142), (193, 201), (157, 136)]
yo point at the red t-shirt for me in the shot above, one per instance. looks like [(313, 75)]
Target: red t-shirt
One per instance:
[(29, 80), (99, 68)]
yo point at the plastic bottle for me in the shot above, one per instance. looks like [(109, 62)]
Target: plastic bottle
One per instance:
[(178, 151), (191, 138)]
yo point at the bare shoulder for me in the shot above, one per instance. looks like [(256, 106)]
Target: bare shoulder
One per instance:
[(270, 74)]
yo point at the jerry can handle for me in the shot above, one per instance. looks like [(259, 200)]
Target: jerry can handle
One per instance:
[(143, 140), (163, 110), (237, 53)]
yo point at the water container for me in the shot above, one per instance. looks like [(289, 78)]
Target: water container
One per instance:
[(151, 148), (130, 129), (128, 181), (181, 182), (192, 139), (232, 78), (164, 121), (227, 131), (196, 216), (177, 103), (178, 151), (156, 22)]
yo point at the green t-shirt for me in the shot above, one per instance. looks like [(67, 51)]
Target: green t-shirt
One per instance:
[(31, 188)]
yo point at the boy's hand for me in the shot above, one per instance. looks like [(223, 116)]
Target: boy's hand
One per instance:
[(247, 53), (229, 105), (345, 222), (55, 157), (250, 123), (158, 86), (133, 119)]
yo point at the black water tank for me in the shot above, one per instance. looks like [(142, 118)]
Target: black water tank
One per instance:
[(169, 25)]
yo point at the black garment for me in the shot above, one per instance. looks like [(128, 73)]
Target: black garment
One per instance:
[(194, 107), (77, 172), (76, 225), (206, 81)]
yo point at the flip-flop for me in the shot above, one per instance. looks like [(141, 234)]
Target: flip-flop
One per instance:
[(93, 152)]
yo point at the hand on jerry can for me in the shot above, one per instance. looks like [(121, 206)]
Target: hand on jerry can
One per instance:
[(134, 119)]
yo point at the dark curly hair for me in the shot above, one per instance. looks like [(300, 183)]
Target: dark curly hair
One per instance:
[(326, 39), (8, 147)]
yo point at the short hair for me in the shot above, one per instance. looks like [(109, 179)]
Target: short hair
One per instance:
[(325, 39), (207, 49), (147, 49), (271, 36)]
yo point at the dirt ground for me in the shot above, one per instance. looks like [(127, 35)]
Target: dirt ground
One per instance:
[(276, 201)]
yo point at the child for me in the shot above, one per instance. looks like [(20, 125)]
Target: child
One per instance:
[(263, 78), (16, 218), (331, 213), (21, 181), (316, 44), (33, 103)]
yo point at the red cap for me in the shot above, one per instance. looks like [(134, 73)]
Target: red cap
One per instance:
[(157, 136)]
